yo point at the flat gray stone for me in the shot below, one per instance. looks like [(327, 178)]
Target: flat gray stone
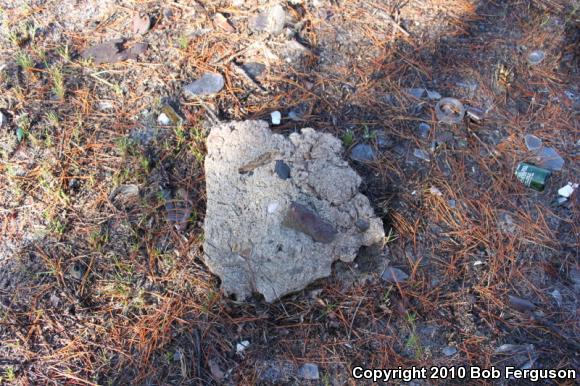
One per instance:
[(309, 371), (394, 275), (362, 153), (271, 20), (210, 83), (248, 242)]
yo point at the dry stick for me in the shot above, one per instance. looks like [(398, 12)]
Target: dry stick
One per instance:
[(354, 316)]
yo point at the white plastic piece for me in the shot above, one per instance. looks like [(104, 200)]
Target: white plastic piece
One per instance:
[(567, 190), (435, 191), (242, 346), (276, 117)]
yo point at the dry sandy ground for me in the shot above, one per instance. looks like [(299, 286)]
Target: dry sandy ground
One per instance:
[(98, 285)]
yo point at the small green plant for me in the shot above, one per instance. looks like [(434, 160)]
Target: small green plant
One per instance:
[(9, 374), (57, 78), (23, 34), (390, 237), (413, 341), (180, 135), (183, 42), (369, 135), (52, 118), (24, 60), (348, 138), (64, 53)]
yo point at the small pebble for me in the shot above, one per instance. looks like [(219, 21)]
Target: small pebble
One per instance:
[(448, 351), (253, 69), (163, 119), (141, 24), (536, 57), (533, 143), (520, 304), (362, 153), (421, 154), (242, 346), (394, 275), (309, 371), (276, 117), (272, 20), (557, 297), (433, 95), (2, 119), (416, 92), (424, 129), (210, 83)]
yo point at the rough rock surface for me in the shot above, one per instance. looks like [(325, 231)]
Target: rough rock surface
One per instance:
[(271, 235)]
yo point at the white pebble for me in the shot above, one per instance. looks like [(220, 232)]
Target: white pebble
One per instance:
[(272, 207), (163, 119), (276, 117), (242, 346)]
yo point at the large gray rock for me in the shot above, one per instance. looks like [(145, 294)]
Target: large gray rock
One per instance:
[(273, 233)]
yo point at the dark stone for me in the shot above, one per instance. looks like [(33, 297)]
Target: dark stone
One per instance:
[(394, 275), (113, 51), (282, 169), (302, 219), (521, 305), (362, 153), (362, 224), (253, 69)]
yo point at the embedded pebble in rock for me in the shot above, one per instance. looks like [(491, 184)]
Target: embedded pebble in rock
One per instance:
[(309, 371), (210, 83), (302, 219), (394, 275), (2, 119), (362, 153), (272, 20), (362, 224), (282, 169), (274, 236), (272, 207)]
